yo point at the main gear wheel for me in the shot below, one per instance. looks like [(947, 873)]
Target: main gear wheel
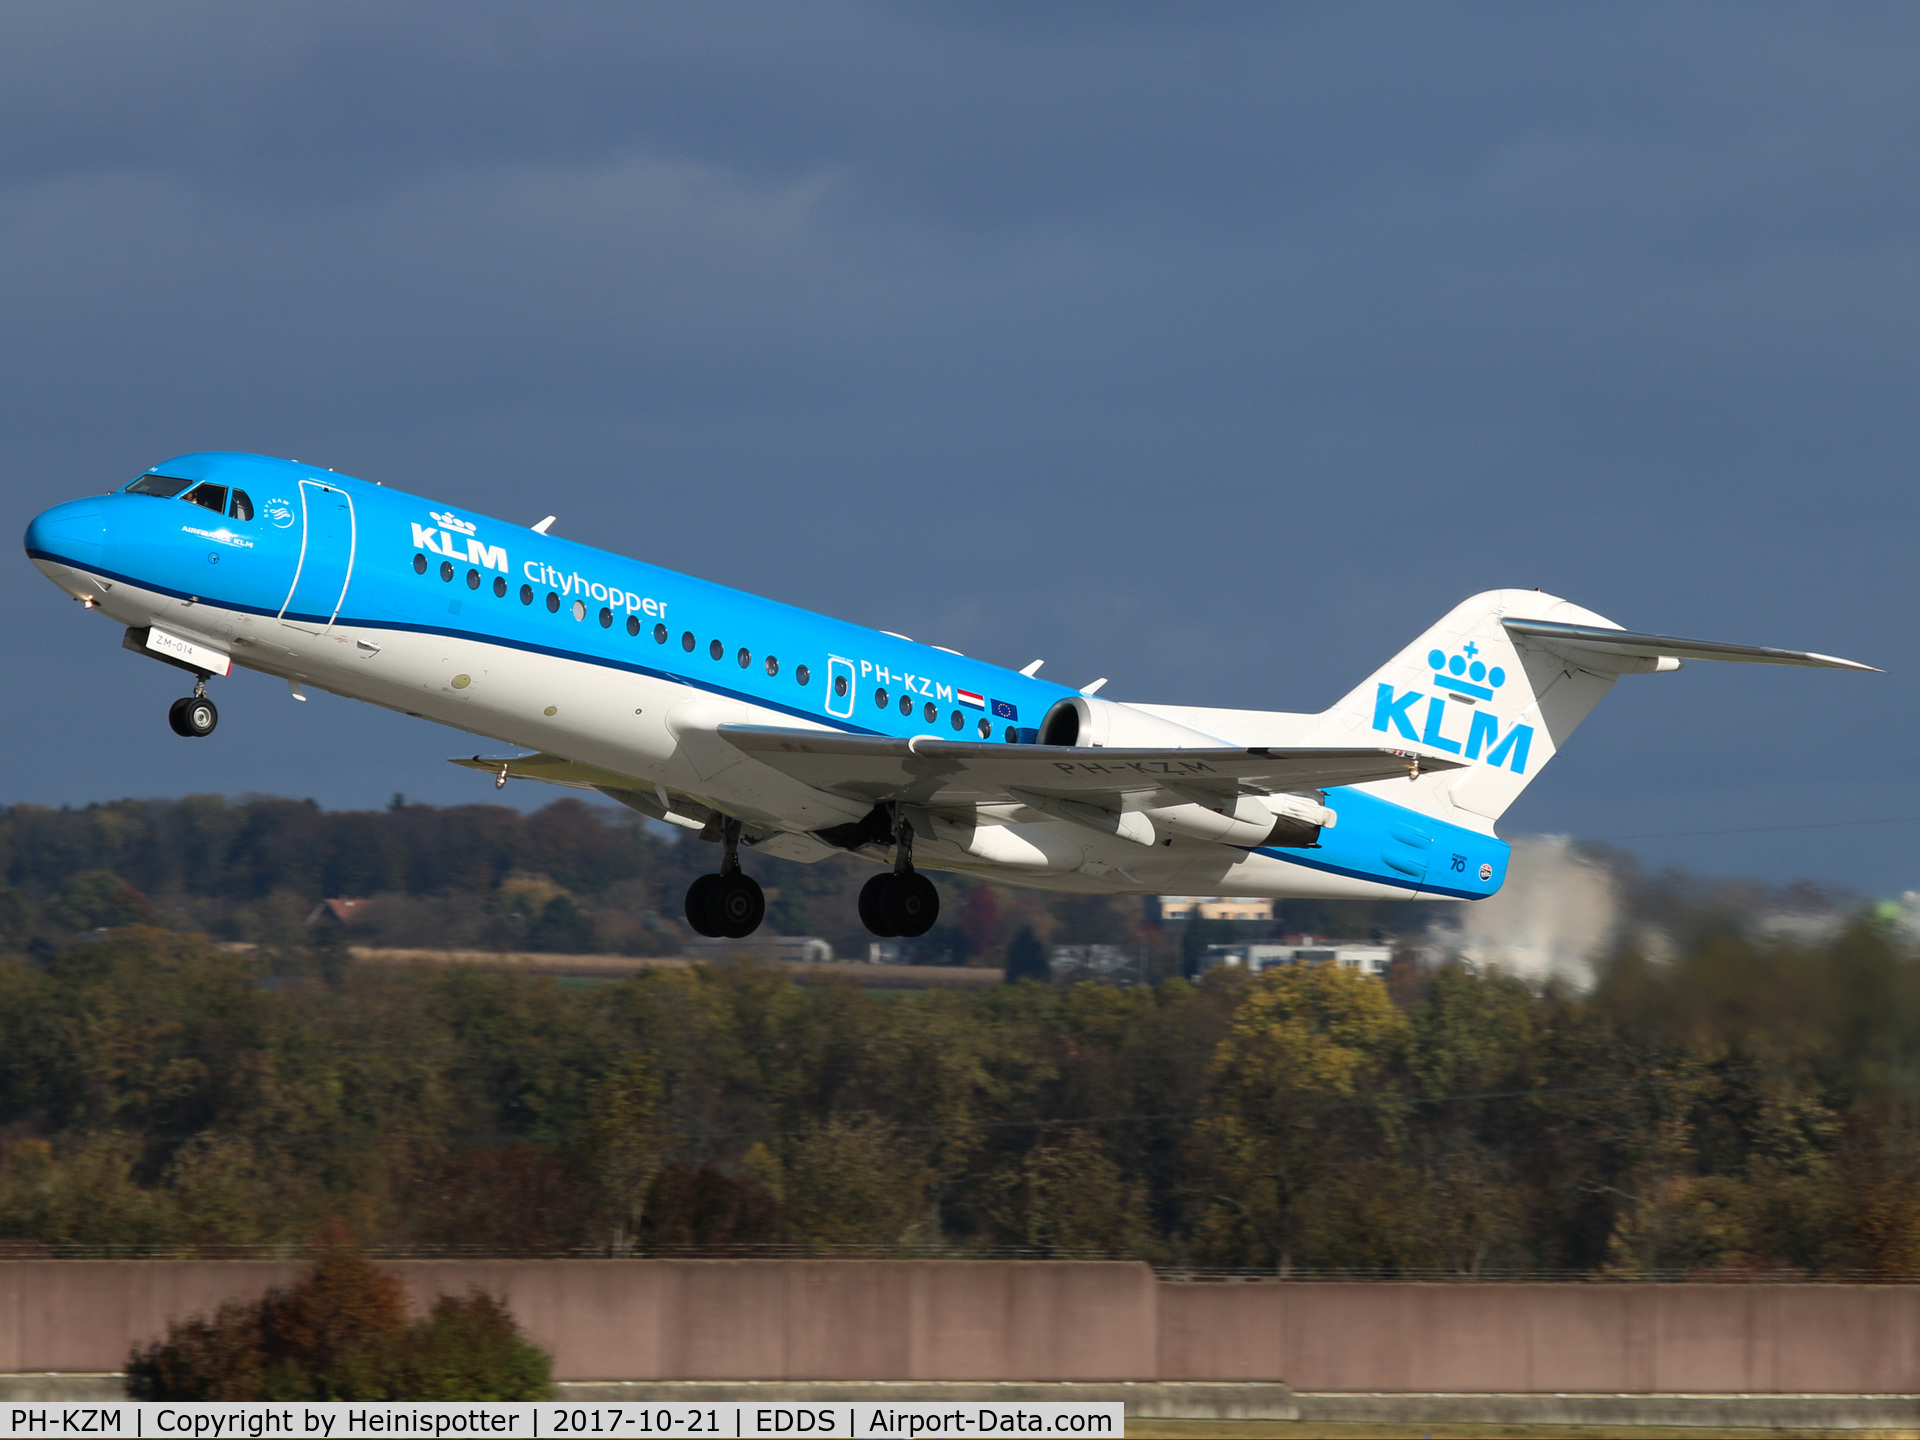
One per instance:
[(903, 904)]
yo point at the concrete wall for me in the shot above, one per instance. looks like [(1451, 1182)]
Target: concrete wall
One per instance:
[(1613, 1339), (662, 1319), (1057, 1321)]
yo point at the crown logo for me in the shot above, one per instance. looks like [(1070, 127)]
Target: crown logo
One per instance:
[(451, 521), (1464, 674)]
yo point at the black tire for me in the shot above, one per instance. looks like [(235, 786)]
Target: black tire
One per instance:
[(911, 904), (737, 905), (700, 906), (193, 717), (873, 910)]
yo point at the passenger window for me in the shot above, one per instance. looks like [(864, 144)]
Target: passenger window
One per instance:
[(473, 579), (419, 564), (633, 624), (986, 729), (906, 704), (745, 657), (959, 721), (659, 634), (500, 586), (553, 603), (213, 497), (242, 506), (579, 609), (526, 594), (1013, 736), (716, 649), (446, 570), (606, 618), (880, 697), (687, 642), (931, 713), (165, 486), (773, 665), (802, 674)]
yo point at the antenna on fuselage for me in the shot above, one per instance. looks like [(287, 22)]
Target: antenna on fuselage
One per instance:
[(1032, 669), (541, 528)]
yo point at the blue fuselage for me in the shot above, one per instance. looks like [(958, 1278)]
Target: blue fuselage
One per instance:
[(305, 573)]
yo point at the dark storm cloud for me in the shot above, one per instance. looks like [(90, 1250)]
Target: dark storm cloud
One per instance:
[(1214, 348)]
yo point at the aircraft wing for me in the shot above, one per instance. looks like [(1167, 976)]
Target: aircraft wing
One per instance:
[(928, 771), (554, 769)]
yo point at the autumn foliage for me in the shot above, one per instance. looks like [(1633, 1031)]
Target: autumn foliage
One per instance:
[(341, 1332), (1732, 1103)]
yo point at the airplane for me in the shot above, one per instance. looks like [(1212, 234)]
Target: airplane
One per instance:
[(771, 729)]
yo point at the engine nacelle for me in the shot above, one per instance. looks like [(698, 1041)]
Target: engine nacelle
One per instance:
[(1088, 720), (1294, 821), (1290, 821)]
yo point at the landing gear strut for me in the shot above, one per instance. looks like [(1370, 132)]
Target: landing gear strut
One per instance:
[(195, 716), (901, 902), (728, 905)]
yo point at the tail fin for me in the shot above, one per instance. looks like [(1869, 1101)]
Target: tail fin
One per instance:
[(1503, 680)]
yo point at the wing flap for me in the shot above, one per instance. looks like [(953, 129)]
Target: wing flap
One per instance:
[(554, 769), (926, 770), (635, 794)]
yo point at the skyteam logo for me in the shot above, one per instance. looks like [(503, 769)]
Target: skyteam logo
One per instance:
[(1468, 679)]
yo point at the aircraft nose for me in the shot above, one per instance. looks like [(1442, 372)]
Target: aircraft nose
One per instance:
[(75, 533)]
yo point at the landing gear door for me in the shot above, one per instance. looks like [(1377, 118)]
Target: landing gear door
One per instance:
[(325, 567), (840, 696)]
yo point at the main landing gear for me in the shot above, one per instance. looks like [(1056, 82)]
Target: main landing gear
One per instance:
[(901, 902), (729, 905), (195, 716)]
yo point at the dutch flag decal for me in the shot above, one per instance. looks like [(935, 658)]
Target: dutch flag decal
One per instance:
[(968, 697)]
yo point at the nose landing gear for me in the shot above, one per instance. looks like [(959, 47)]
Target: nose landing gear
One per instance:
[(729, 905), (195, 716), (901, 902)]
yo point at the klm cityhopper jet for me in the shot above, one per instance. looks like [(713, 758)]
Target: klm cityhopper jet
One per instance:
[(761, 725)]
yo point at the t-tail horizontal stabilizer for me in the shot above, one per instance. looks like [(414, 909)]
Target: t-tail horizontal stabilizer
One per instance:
[(1557, 636), (1501, 682)]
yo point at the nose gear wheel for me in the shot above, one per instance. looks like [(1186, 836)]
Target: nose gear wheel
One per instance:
[(193, 717)]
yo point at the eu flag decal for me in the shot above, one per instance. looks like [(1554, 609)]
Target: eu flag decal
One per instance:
[(1003, 711)]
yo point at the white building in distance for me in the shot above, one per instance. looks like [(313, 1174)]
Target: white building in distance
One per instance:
[(1185, 907), (1367, 959)]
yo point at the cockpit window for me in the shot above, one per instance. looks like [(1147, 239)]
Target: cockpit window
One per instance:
[(242, 506), (165, 486), (214, 497)]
